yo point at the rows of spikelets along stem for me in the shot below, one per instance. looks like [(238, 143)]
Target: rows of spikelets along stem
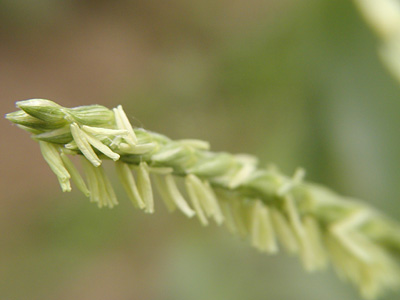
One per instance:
[(254, 202)]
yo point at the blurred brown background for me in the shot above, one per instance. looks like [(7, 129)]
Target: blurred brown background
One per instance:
[(297, 83)]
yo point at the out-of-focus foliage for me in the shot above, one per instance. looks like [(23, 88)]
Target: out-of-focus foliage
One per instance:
[(384, 18), (295, 83)]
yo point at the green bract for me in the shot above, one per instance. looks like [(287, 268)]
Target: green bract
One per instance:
[(44, 110), (92, 115), (269, 208)]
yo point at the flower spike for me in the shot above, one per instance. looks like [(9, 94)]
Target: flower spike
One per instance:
[(261, 204)]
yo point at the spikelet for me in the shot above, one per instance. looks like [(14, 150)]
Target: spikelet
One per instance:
[(75, 176), (172, 196), (51, 155), (101, 191), (144, 187), (262, 232), (128, 181), (196, 201)]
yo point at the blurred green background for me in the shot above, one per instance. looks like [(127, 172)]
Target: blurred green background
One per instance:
[(297, 83)]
